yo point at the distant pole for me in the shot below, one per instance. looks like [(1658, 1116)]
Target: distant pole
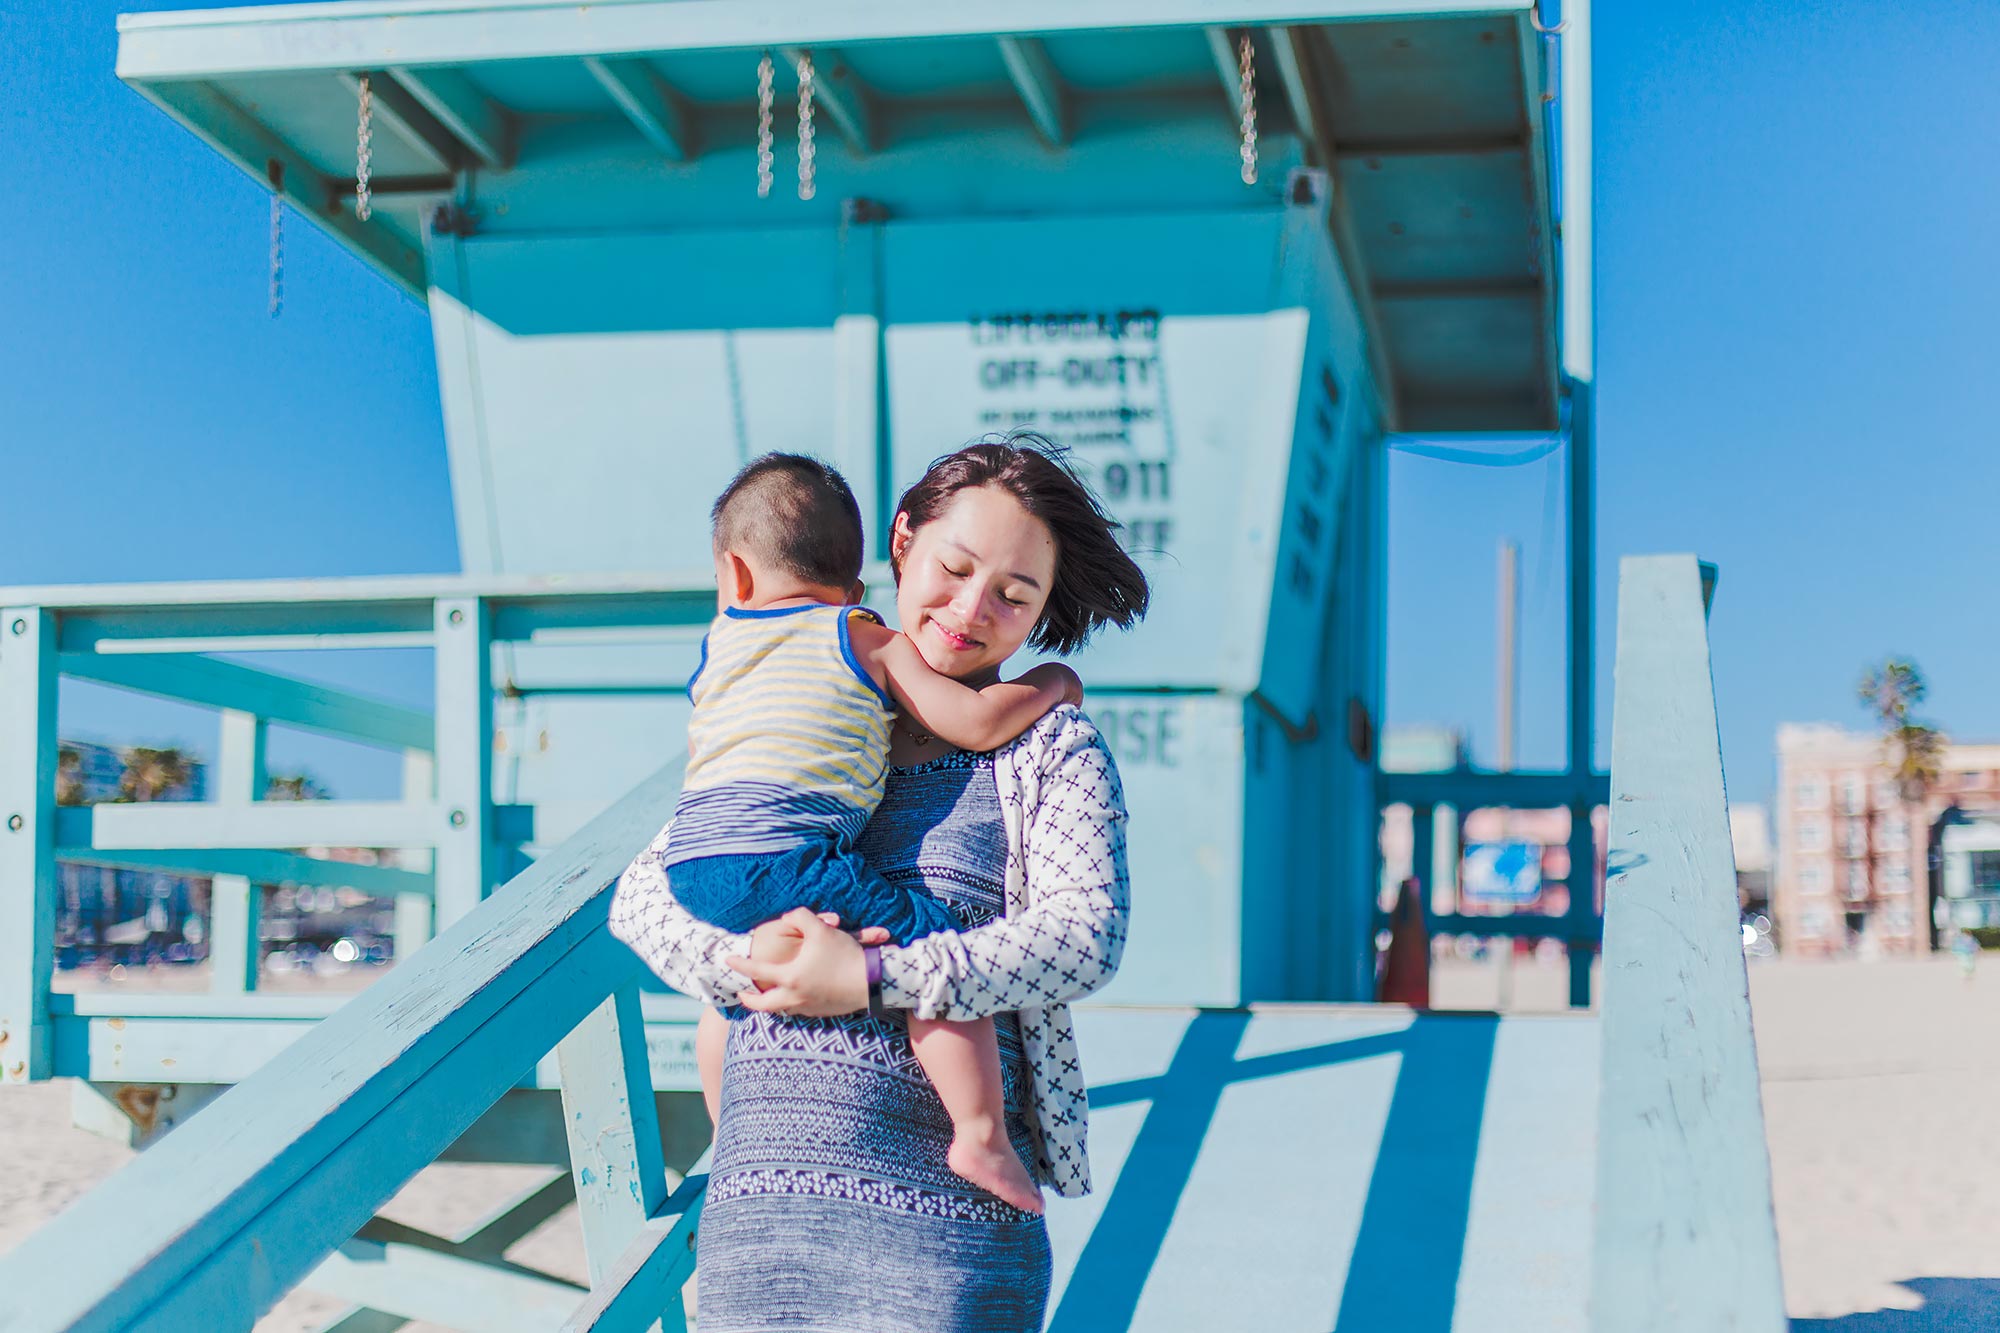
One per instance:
[(1509, 665), (1508, 668)]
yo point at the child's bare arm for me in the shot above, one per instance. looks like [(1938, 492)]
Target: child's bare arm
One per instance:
[(968, 718)]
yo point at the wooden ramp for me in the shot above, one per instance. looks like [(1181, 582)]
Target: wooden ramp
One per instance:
[(1315, 1168)]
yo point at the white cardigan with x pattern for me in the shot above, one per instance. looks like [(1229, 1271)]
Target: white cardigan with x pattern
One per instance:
[(1067, 901)]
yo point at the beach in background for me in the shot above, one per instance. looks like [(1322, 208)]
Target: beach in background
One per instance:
[(1879, 1091)]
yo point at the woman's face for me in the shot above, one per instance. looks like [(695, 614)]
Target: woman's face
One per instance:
[(973, 581)]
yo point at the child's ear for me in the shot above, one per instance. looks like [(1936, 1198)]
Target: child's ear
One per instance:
[(738, 581), (856, 593)]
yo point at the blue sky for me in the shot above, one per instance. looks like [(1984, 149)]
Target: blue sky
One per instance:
[(1794, 364)]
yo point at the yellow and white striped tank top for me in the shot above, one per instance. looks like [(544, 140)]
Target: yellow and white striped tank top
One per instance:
[(790, 735)]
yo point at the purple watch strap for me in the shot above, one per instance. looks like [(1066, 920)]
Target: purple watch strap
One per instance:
[(871, 958)]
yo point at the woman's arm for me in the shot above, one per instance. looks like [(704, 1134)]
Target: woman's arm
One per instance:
[(1066, 944), (686, 953), (1070, 939)]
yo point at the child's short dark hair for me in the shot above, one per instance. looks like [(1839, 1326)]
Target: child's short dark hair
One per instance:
[(795, 514)]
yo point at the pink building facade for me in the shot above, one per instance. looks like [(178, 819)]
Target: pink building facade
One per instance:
[(1852, 871)]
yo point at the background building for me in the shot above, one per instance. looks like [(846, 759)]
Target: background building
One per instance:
[(1853, 866)]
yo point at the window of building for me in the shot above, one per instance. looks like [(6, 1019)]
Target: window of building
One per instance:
[(1857, 880), (1898, 919), (1812, 835), (1852, 794), (1896, 877), (1810, 793), (1895, 833), (1854, 837), (1812, 877), (1986, 872), (1886, 794), (1816, 923)]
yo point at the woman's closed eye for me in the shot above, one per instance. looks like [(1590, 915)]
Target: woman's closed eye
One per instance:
[(956, 573)]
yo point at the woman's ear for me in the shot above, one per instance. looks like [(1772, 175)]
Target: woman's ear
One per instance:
[(900, 537)]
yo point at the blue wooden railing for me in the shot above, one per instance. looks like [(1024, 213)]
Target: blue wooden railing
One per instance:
[(279, 1179), (1685, 1239), (211, 1226)]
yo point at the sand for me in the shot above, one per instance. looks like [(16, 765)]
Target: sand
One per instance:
[(1880, 1089)]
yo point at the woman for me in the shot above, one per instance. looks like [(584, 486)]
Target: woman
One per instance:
[(830, 1206)]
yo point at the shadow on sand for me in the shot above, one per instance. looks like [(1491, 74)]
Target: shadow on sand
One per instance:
[(1951, 1305)]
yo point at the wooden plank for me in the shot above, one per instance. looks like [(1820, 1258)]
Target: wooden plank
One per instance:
[(645, 1284), (409, 595), (485, 127), (1041, 88), (159, 825), (1470, 791), (28, 754), (614, 1133), (234, 911), (260, 865), (270, 695), (1685, 1238), (463, 825), (643, 97), (327, 37), (209, 1228)]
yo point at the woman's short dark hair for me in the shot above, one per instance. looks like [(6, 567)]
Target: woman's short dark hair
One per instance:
[(1096, 582)]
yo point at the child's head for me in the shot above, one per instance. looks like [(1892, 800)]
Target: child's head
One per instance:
[(793, 525)]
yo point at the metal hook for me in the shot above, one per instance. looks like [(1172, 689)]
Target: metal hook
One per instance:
[(1535, 17)]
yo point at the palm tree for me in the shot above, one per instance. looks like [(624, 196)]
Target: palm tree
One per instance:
[(152, 774), (294, 787), (69, 776), (1913, 750)]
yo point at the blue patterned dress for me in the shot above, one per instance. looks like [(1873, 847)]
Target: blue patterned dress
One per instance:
[(830, 1207)]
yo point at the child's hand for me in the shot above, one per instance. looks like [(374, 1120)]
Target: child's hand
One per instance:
[(778, 941), (1055, 673)]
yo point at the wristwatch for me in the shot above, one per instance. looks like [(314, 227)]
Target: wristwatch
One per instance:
[(871, 958)]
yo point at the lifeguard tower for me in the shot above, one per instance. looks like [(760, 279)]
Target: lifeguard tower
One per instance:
[(1226, 251)]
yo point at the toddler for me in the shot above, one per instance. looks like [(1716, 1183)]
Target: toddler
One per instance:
[(788, 749)]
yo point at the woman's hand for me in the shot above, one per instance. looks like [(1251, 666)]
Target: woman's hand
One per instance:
[(816, 970)]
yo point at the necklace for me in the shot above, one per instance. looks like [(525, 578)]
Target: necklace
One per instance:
[(917, 738)]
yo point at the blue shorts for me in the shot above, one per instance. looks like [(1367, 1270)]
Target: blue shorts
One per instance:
[(740, 893)]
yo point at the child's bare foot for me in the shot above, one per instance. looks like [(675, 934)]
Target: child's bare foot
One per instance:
[(990, 1162)]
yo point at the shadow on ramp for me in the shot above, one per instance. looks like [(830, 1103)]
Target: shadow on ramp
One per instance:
[(1404, 1269)]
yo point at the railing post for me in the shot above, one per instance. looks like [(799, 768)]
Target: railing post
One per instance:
[(414, 911), (234, 910), (614, 1131), (1582, 673), (1582, 901), (27, 840), (465, 861), (1423, 852)]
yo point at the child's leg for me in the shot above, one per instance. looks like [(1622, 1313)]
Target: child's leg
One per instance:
[(962, 1061), (711, 1039)]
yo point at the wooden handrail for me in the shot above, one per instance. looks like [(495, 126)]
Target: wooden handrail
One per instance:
[(213, 1225), (1685, 1237)]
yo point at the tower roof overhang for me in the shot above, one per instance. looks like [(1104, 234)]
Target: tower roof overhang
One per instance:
[(1446, 125)]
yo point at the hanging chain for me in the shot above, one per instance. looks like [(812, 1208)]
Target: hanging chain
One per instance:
[(363, 151), (1246, 96), (765, 158), (274, 172), (277, 253), (805, 125)]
